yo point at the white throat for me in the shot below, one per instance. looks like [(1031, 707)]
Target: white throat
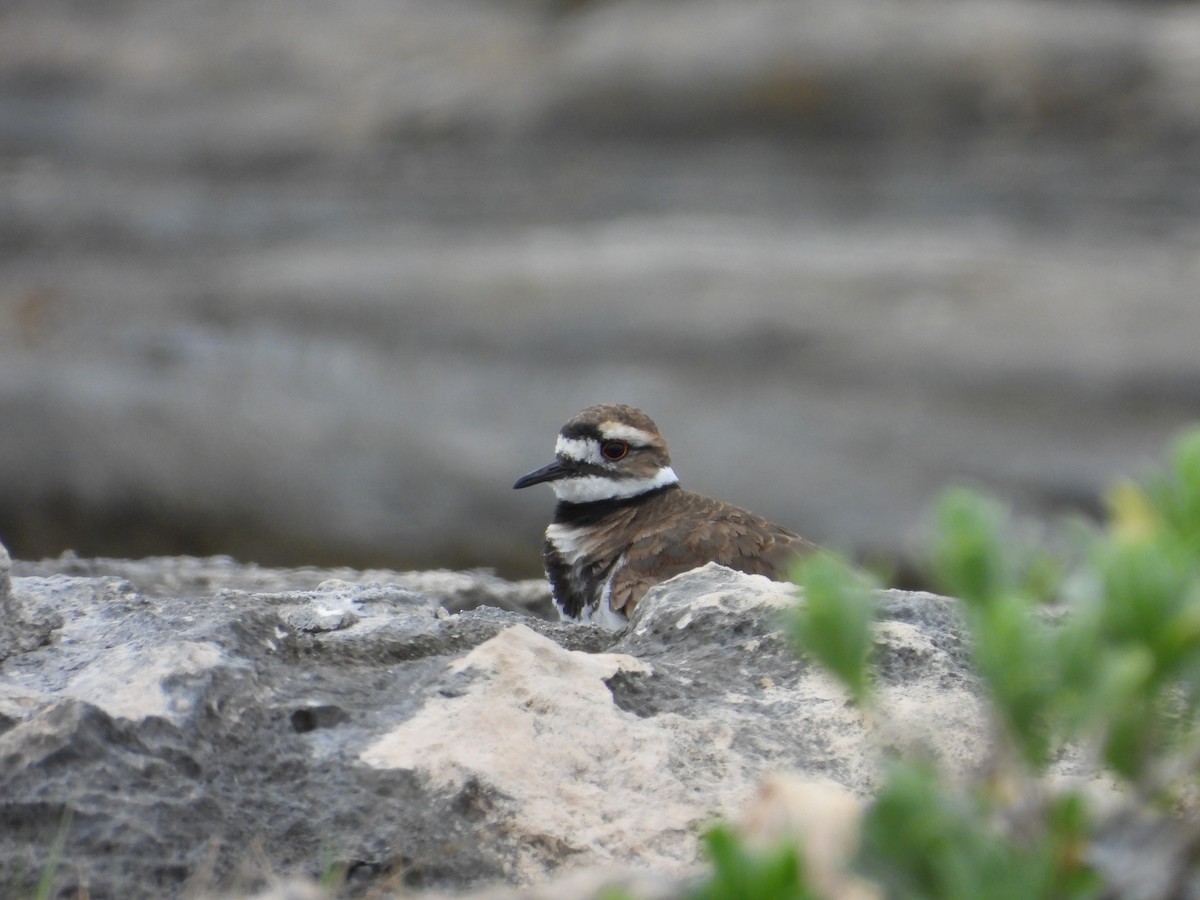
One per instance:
[(591, 488)]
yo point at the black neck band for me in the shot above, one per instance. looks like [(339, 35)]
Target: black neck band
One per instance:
[(578, 515)]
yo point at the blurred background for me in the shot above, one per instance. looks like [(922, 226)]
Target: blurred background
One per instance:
[(313, 283)]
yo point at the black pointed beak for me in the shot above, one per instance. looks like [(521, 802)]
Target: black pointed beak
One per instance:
[(552, 472)]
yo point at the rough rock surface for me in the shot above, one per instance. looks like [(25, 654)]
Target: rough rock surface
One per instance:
[(19, 628), (221, 723)]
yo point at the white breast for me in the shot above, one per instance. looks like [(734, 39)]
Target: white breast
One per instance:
[(574, 545), (571, 543)]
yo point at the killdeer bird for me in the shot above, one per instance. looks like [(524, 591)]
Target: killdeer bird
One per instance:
[(623, 524)]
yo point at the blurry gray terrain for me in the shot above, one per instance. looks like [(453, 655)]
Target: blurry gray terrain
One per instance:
[(311, 283)]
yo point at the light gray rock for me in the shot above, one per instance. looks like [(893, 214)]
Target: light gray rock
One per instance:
[(5, 581), (188, 577), (19, 629), (210, 737)]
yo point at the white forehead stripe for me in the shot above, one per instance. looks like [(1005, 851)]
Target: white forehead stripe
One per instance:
[(578, 449), (591, 488), (615, 431)]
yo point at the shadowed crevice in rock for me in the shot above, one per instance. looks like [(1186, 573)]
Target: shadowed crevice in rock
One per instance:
[(310, 718), (633, 692)]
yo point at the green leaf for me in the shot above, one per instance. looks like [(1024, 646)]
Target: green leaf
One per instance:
[(1177, 495), (923, 840), (969, 557), (833, 624), (1145, 586), (1012, 650), (740, 873)]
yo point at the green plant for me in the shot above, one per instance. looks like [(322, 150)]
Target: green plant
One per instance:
[(921, 838), (834, 624), (740, 873), (1112, 667)]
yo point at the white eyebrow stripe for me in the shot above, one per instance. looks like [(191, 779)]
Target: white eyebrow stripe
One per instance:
[(590, 488), (616, 431), (581, 450)]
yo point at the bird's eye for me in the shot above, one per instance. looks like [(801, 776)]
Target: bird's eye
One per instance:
[(614, 450)]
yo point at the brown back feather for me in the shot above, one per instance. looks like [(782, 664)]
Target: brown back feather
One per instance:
[(684, 529)]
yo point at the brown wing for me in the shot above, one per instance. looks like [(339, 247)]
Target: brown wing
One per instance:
[(705, 530)]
